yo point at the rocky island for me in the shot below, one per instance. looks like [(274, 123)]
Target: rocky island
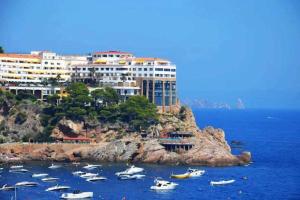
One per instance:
[(174, 139)]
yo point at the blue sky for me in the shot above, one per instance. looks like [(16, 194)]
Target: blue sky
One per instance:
[(223, 50)]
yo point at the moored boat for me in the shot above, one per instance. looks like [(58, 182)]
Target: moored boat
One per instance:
[(78, 173), (163, 185), (130, 177), (96, 178), (58, 188), (180, 176), (77, 195), (222, 182), (90, 167), (39, 175), (131, 170), (18, 170), (53, 166), (88, 175), (49, 179), (26, 184), (16, 166), (7, 187), (195, 172)]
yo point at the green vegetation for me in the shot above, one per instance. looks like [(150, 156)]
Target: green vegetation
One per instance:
[(1, 50), (100, 106)]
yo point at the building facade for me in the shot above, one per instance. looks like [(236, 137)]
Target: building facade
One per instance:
[(28, 72), (153, 78)]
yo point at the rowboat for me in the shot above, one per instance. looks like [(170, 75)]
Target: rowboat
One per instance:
[(223, 182)]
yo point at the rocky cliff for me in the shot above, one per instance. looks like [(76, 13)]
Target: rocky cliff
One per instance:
[(113, 144)]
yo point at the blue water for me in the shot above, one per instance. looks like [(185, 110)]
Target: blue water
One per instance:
[(272, 136)]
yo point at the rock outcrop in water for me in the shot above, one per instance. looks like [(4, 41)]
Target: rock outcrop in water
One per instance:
[(113, 144)]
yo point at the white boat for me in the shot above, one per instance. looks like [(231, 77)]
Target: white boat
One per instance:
[(16, 167), (7, 187), (223, 182), (195, 172), (78, 173), (54, 166), (39, 175), (1, 168), (57, 188), (77, 195), (89, 175), (26, 184), (163, 185), (130, 177), (18, 170), (49, 179), (96, 178), (90, 167), (130, 171)]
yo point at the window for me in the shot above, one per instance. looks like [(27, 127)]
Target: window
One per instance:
[(104, 56), (145, 69), (173, 70), (166, 70), (140, 69), (111, 55), (159, 69), (58, 63), (46, 63), (133, 69), (52, 63), (150, 69)]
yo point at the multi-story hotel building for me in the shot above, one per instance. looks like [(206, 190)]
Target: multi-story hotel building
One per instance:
[(27, 72), (153, 78)]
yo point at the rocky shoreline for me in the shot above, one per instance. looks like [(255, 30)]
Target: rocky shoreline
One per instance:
[(114, 144)]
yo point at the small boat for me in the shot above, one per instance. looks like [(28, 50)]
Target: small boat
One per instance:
[(57, 188), (7, 187), (76, 163), (26, 184), (77, 195), (131, 170), (1, 168), (78, 173), (89, 175), (39, 175), (49, 179), (163, 185), (54, 166), (130, 177), (16, 167), (96, 178), (180, 176), (90, 167), (223, 182), (195, 172), (18, 170)]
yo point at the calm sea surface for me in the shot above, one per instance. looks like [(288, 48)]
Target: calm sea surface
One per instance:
[(272, 136)]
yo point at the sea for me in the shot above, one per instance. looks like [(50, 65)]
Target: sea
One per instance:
[(272, 136)]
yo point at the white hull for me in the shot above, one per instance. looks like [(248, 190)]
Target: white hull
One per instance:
[(221, 182), (82, 195), (130, 171), (50, 179), (39, 175), (26, 184), (57, 188)]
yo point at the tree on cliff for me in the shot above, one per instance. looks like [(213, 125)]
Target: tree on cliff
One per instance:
[(138, 112), (108, 96), (1, 49)]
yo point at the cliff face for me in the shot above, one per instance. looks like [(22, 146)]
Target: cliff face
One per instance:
[(114, 144), (20, 121)]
